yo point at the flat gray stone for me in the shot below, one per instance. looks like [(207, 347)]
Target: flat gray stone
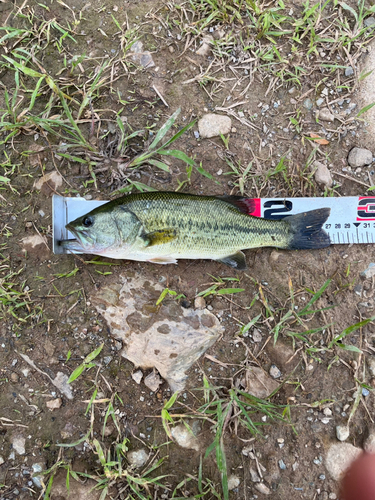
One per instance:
[(170, 341), (212, 125)]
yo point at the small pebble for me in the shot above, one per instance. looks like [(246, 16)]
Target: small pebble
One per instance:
[(275, 372), (233, 482), (254, 476), (257, 336), (365, 392), (137, 376), (199, 303), (342, 432), (262, 488), (282, 464), (349, 71), (308, 104)]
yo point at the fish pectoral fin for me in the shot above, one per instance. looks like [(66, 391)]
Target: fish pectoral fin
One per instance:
[(159, 237), (163, 260), (236, 260)]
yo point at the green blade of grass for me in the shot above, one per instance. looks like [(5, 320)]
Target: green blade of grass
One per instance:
[(164, 129)]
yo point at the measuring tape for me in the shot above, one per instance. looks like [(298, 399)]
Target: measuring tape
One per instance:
[(352, 218)]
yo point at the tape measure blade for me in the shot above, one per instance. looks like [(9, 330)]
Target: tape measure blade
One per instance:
[(351, 221)]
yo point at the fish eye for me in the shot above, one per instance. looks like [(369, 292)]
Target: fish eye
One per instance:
[(88, 221)]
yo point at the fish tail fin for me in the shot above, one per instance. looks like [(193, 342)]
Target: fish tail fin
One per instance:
[(306, 229)]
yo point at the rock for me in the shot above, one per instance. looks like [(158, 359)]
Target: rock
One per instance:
[(199, 303), (14, 377), (257, 336), (205, 48), (35, 159), (67, 431), (49, 348), (61, 382), (77, 490), (54, 404), (137, 458), (258, 383), (153, 381), (282, 465), (349, 71), (36, 245), (308, 104), (325, 115), (37, 480), (18, 444), (212, 125), (322, 174), (359, 157), (339, 457), (262, 488), (370, 360), (140, 56), (369, 272), (170, 341), (49, 183), (369, 22), (137, 376), (342, 432), (254, 476), (369, 445), (233, 482), (2, 461), (275, 372), (185, 437)]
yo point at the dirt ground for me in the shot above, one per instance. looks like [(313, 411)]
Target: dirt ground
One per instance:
[(268, 83)]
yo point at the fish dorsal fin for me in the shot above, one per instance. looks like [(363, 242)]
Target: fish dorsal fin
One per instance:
[(159, 237), (236, 260), (243, 205)]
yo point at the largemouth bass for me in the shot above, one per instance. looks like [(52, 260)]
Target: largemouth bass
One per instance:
[(162, 227)]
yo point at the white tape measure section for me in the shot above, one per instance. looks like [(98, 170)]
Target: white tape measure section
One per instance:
[(352, 218)]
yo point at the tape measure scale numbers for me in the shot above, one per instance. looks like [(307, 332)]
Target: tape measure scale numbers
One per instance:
[(352, 218)]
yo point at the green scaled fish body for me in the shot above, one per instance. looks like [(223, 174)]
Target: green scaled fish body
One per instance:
[(162, 227)]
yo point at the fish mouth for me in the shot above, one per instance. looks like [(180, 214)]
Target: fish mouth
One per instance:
[(71, 245), (80, 243)]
